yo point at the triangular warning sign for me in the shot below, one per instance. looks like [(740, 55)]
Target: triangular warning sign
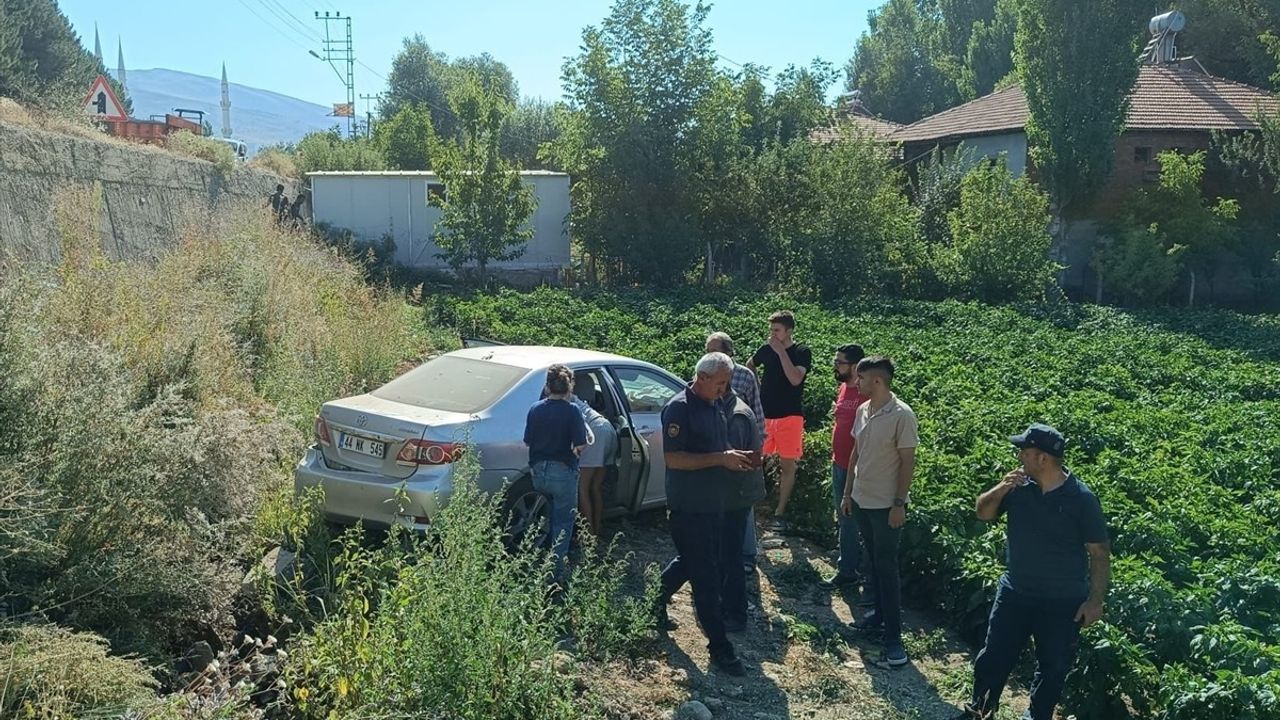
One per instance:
[(102, 103)]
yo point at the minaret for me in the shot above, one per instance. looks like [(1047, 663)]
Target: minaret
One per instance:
[(120, 66), (97, 45), (226, 104)]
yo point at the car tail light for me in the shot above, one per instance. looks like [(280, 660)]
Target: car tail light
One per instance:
[(322, 432), (426, 452)]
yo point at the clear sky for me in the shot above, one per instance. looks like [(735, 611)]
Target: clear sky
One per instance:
[(265, 42)]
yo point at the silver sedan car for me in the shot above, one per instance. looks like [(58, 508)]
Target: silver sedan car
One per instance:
[(387, 456)]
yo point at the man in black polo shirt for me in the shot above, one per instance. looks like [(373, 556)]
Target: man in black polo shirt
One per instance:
[(1058, 567), (696, 450)]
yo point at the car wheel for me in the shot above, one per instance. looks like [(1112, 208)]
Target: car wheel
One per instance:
[(527, 514)]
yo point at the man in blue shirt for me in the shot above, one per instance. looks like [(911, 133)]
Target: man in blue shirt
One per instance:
[(697, 450), (1057, 570)]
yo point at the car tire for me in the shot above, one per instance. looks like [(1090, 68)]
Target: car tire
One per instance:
[(525, 510)]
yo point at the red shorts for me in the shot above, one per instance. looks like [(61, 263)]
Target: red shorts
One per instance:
[(784, 437)]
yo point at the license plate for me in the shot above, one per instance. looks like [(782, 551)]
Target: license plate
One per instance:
[(362, 445)]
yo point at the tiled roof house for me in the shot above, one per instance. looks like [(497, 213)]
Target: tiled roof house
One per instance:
[(1172, 106)]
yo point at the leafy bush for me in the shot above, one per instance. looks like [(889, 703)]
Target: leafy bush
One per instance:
[(604, 615), (1171, 226), (456, 625), (1171, 417), (50, 672), (999, 238), (855, 213), (936, 195), (1137, 265), (328, 150), (203, 148)]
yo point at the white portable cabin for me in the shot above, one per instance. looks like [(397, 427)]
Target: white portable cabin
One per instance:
[(376, 204)]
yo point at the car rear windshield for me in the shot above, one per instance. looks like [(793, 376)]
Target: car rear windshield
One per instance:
[(455, 384)]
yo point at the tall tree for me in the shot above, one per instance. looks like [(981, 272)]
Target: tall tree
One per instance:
[(533, 125), (42, 61), (634, 91), (989, 52), (1227, 37), (899, 64), (798, 103), (421, 76), (406, 140), (492, 74), (1076, 61), (485, 204)]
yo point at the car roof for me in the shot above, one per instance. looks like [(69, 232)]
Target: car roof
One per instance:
[(536, 357)]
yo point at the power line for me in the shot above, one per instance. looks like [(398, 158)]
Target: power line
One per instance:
[(307, 32), (273, 26)]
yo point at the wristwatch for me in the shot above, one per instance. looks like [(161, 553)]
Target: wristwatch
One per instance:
[(899, 502)]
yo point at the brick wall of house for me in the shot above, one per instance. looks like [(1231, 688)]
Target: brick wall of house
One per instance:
[(1135, 163)]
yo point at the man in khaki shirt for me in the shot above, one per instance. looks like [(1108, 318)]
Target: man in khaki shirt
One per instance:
[(881, 464)]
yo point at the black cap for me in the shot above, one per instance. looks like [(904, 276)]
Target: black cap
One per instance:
[(1041, 437)]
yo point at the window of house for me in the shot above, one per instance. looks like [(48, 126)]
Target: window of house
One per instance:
[(1142, 154)]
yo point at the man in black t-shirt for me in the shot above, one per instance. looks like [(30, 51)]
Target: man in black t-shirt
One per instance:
[(784, 365)]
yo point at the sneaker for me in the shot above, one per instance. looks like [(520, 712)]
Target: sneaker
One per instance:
[(870, 621), (895, 656), (729, 664), (779, 525), (838, 582)]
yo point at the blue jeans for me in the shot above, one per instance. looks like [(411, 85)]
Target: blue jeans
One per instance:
[(559, 482), (749, 545), (851, 561), (1014, 620)]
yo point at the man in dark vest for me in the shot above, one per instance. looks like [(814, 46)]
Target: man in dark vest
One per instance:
[(703, 471)]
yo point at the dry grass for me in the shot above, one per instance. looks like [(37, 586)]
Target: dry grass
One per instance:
[(275, 161), (199, 147), (150, 413), (51, 672), (14, 113), (266, 314)]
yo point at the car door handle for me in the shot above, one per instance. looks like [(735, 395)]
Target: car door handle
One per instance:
[(645, 429)]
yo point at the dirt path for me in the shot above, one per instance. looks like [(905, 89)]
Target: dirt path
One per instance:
[(803, 661)]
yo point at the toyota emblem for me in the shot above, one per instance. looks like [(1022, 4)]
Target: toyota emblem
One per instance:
[(362, 420)]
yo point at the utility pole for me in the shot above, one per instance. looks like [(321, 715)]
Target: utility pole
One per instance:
[(368, 112), (338, 50)]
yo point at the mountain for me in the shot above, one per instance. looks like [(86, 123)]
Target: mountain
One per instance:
[(258, 117)]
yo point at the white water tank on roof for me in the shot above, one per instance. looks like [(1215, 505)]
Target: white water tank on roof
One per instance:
[(1172, 21)]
